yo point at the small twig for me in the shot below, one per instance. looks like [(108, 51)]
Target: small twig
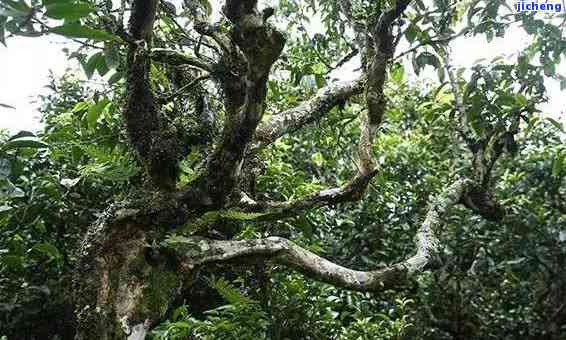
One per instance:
[(321, 58), (82, 43), (428, 43), (185, 87), (344, 60)]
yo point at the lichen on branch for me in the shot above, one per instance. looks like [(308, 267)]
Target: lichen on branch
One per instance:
[(195, 251), (257, 45)]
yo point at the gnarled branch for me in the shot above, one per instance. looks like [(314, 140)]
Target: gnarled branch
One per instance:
[(307, 112), (197, 251), (176, 58), (261, 44), (352, 191), (380, 51)]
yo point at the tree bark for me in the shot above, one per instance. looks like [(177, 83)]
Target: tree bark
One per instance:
[(125, 283), (120, 288)]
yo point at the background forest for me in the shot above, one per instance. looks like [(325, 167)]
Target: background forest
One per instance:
[(499, 278)]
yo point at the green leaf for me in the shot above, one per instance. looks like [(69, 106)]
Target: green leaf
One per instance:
[(3, 20), (75, 30), (69, 11), (94, 112), (556, 123), (398, 73), (48, 250), (111, 55), (425, 58), (523, 65), (549, 68), (320, 81), (115, 77), (521, 100), (319, 68), (558, 164), (90, 66), (23, 143), (96, 62), (563, 85), (80, 106), (318, 159), (411, 33)]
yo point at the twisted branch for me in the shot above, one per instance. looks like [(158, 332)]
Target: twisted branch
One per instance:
[(306, 112), (260, 45), (198, 251), (380, 50)]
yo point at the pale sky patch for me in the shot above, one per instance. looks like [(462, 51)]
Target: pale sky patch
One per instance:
[(24, 73)]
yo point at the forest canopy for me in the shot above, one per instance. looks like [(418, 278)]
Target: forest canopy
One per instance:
[(231, 180)]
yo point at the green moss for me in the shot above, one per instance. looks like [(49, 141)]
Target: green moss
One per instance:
[(161, 286), (201, 223), (136, 266)]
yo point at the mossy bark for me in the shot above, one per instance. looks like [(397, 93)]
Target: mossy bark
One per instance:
[(119, 285)]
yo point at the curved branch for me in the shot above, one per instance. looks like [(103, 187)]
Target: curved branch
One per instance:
[(176, 58), (352, 191), (381, 51), (307, 112), (197, 251)]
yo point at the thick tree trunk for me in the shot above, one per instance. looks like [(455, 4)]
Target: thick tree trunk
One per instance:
[(120, 287), (126, 279)]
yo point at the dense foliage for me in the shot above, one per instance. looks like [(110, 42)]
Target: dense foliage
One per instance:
[(499, 279)]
